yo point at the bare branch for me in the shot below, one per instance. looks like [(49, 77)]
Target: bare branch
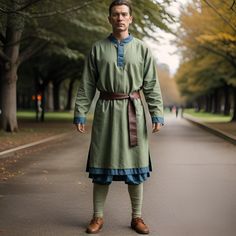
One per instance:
[(232, 7), (228, 57), (62, 12), (49, 14), (219, 14), (9, 11), (32, 50), (31, 2)]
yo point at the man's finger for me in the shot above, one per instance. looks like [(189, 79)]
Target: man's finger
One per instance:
[(156, 127), (80, 128)]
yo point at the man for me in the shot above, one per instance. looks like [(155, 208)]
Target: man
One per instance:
[(119, 67)]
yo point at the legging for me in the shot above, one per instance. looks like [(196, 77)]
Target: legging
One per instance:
[(100, 193)]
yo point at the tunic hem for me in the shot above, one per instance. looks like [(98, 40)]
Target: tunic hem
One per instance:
[(128, 179), (129, 176), (130, 171)]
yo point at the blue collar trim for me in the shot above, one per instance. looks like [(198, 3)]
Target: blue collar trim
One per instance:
[(114, 40)]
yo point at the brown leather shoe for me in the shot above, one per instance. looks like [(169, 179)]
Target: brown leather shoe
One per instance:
[(138, 225), (95, 225)]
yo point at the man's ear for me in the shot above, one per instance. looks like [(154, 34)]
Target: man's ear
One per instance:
[(131, 19), (109, 19)]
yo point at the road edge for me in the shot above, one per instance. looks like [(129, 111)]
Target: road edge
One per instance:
[(7, 153), (228, 137)]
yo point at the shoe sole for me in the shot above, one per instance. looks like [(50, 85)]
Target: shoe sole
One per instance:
[(139, 232), (88, 232)]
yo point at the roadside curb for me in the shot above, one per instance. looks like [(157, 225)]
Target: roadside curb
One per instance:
[(228, 137), (11, 151)]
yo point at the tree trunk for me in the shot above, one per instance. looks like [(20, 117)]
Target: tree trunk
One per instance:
[(209, 99), (15, 24), (69, 97), (198, 105), (8, 97), (206, 98), (0, 101), (9, 79), (56, 98), (234, 109), (49, 97), (216, 102), (227, 104)]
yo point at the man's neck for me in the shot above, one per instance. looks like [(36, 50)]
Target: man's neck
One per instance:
[(120, 35)]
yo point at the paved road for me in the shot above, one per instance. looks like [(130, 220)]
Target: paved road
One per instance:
[(192, 190)]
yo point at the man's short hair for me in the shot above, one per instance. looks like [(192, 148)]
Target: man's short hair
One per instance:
[(119, 3)]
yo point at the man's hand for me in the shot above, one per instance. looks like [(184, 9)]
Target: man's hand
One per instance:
[(80, 127), (156, 127)]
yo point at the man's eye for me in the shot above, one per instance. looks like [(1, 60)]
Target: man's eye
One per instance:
[(117, 14)]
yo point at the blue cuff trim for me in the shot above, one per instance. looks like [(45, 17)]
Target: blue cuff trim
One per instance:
[(79, 120), (158, 119)]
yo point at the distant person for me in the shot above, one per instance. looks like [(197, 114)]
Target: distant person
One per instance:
[(176, 111), (119, 66), (182, 111), (173, 109)]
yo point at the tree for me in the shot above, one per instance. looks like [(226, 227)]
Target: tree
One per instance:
[(207, 38), (16, 30)]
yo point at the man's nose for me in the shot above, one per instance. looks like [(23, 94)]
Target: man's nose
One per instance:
[(120, 17)]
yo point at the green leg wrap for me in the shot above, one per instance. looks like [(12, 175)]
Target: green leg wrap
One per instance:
[(99, 196), (136, 197)]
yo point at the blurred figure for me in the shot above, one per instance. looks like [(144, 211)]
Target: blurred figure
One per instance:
[(176, 111), (182, 111)]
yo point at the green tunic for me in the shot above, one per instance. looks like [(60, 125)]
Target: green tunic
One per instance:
[(119, 68)]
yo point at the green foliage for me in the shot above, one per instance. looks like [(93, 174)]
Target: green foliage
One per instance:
[(208, 47)]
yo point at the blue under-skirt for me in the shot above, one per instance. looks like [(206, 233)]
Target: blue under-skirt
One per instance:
[(129, 176)]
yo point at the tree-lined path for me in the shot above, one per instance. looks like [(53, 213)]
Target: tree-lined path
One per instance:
[(192, 189)]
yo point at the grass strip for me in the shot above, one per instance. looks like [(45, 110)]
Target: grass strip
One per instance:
[(208, 117)]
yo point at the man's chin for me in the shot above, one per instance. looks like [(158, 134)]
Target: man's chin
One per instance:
[(120, 29)]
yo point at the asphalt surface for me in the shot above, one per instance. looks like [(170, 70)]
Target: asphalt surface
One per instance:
[(191, 192)]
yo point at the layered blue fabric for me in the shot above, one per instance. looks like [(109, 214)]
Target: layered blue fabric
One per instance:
[(128, 179), (158, 119), (129, 176), (79, 120), (131, 171)]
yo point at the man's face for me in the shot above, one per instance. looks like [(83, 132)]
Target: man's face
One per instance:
[(120, 18)]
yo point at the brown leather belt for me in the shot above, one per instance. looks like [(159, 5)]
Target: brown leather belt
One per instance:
[(133, 138)]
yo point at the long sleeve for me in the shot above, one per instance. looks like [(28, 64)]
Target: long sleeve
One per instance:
[(151, 89), (87, 89)]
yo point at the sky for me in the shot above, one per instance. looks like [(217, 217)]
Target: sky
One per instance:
[(165, 51)]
